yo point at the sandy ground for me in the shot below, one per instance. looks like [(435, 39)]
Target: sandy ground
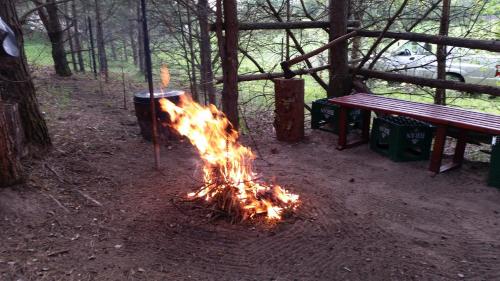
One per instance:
[(94, 209)]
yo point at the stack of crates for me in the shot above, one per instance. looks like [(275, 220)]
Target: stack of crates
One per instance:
[(325, 116), (401, 138), (494, 178)]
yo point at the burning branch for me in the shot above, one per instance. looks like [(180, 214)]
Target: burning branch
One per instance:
[(230, 183)]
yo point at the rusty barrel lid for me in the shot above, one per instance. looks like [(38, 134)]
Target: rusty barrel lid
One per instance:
[(172, 95)]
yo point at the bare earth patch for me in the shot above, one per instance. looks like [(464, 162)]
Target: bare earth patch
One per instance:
[(94, 209)]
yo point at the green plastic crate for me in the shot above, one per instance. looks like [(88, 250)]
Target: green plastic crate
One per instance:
[(325, 116), (401, 138), (494, 178)]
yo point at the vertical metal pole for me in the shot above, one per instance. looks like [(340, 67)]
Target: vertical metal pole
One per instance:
[(92, 50), (124, 90), (149, 73)]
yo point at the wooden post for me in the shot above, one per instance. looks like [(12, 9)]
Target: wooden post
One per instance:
[(230, 62), (340, 82), (289, 113), (11, 145)]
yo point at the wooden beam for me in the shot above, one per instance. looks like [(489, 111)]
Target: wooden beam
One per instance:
[(286, 25), (286, 64), (487, 45), (434, 83)]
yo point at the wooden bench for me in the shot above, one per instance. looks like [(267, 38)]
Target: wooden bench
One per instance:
[(442, 117)]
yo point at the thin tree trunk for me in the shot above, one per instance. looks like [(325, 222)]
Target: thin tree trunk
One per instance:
[(140, 53), (131, 31), (192, 58), (101, 47), (184, 45), (356, 41), (50, 19), (125, 50), (440, 96), (207, 75), (70, 37), (78, 44), (16, 86), (113, 50)]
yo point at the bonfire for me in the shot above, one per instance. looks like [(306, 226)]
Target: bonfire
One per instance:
[(230, 185)]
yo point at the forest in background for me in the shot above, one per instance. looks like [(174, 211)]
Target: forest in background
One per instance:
[(176, 40)]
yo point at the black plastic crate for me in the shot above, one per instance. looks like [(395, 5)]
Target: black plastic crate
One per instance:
[(325, 116), (494, 178), (401, 138)]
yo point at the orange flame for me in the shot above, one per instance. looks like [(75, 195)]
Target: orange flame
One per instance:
[(227, 163), (165, 76)]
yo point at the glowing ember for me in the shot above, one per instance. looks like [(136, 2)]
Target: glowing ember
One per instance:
[(230, 184)]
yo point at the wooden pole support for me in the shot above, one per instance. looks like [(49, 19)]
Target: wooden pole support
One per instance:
[(11, 145), (289, 113)]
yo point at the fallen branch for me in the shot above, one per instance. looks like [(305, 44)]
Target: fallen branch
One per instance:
[(89, 198), (59, 203)]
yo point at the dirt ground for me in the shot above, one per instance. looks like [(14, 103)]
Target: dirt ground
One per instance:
[(94, 209)]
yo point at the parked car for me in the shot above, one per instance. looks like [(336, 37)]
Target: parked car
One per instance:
[(419, 59)]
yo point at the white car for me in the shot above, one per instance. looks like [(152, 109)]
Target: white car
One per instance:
[(419, 59)]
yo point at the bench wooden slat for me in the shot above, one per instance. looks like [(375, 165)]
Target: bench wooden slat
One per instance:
[(436, 114), (439, 114), (449, 110)]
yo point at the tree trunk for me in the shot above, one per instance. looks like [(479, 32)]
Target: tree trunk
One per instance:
[(125, 50), (114, 56), (68, 23), (440, 96), (192, 58), (340, 81), (92, 48), (140, 44), (131, 31), (207, 75), (78, 44), (230, 63), (50, 19), (356, 41), (289, 113), (101, 47), (16, 86), (10, 145)]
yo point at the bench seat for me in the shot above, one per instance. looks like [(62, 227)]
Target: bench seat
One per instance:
[(443, 117)]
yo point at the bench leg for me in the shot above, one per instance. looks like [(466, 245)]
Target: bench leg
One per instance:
[(438, 149), (367, 114), (342, 128), (458, 158)]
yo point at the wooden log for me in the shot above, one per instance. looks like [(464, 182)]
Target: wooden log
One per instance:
[(286, 25), (434, 83), (289, 109), (286, 64), (487, 45), (11, 145)]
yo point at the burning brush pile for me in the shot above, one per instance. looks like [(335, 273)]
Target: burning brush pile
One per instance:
[(229, 182)]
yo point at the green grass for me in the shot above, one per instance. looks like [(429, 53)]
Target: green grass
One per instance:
[(38, 53)]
